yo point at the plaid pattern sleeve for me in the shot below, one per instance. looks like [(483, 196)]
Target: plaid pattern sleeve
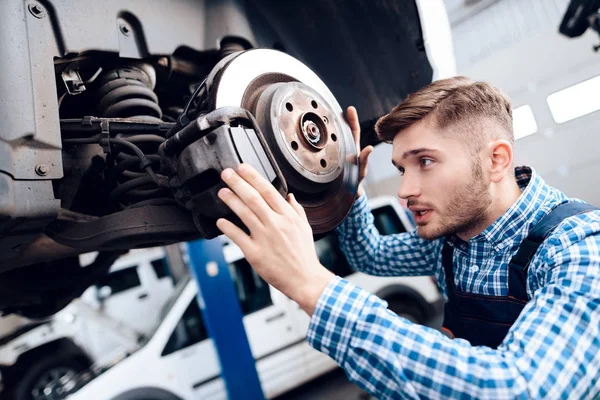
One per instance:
[(552, 350), (384, 255)]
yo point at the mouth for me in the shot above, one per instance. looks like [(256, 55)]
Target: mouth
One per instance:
[(422, 216)]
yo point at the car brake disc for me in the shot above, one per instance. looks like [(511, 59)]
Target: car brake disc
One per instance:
[(303, 124)]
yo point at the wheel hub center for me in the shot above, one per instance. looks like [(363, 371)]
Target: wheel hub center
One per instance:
[(313, 129)]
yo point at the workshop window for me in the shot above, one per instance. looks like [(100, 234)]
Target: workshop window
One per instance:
[(575, 101), (253, 292), (189, 330), (387, 221), (524, 123), (121, 280)]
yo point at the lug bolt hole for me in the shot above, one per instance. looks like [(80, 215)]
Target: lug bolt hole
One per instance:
[(333, 137), (323, 163), (314, 104), (289, 106), (295, 146)]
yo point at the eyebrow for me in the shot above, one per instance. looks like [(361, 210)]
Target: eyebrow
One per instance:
[(417, 151), (414, 152)]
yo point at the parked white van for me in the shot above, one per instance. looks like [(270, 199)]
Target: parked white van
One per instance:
[(102, 326), (179, 359)]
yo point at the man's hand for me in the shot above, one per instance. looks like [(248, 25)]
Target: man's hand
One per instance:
[(363, 156), (280, 246)]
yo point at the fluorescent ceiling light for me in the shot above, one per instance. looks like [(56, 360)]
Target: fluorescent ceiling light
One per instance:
[(575, 101), (524, 123)]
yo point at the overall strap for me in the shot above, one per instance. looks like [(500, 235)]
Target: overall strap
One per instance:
[(519, 264), (447, 255)]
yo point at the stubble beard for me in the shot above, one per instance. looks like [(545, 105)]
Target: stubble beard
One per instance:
[(466, 210)]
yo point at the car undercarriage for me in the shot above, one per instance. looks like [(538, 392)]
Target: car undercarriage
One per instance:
[(118, 117)]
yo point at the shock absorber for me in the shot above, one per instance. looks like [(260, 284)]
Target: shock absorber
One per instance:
[(127, 92)]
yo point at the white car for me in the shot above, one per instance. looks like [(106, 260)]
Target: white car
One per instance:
[(99, 328), (138, 284), (179, 360)]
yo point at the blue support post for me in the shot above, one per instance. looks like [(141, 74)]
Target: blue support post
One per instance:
[(223, 318)]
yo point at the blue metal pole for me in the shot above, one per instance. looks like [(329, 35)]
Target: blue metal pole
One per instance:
[(223, 319)]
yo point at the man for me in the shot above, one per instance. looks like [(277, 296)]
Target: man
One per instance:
[(518, 261)]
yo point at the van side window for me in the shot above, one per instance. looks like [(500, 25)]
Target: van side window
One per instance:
[(331, 256), (160, 267), (121, 280), (253, 292), (387, 221), (189, 330)]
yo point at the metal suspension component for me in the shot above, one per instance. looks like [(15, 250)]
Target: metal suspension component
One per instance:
[(134, 187), (302, 123), (127, 92)]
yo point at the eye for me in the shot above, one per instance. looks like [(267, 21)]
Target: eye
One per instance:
[(425, 162)]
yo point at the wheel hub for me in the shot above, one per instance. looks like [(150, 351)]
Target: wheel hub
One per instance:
[(292, 115), (303, 124)]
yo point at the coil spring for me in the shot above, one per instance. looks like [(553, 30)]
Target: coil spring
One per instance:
[(127, 93)]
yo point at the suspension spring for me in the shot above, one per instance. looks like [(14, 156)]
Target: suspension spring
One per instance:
[(126, 92)]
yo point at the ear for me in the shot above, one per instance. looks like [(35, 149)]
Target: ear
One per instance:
[(501, 159)]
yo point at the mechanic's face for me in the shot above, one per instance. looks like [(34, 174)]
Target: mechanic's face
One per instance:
[(442, 181)]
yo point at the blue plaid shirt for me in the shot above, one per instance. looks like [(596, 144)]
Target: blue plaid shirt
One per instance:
[(551, 351)]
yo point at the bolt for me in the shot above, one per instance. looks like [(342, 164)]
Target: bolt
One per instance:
[(42, 169), (36, 10), (212, 269), (313, 132), (124, 29)]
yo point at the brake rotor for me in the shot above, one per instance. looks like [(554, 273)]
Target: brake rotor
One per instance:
[(304, 126)]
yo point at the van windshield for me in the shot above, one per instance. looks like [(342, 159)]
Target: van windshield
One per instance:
[(164, 310)]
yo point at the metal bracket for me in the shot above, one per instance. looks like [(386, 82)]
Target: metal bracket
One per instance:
[(105, 136), (73, 81)]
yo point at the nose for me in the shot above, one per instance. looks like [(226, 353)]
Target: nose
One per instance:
[(409, 187)]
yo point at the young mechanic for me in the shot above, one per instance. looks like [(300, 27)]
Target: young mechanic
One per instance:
[(518, 261)]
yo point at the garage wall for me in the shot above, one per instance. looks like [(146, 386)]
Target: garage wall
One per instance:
[(499, 25), (529, 70), (515, 45)]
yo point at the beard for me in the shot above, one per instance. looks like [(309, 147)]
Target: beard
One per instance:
[(466, 209)]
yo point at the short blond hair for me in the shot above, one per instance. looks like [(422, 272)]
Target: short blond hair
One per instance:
[(479, 110)]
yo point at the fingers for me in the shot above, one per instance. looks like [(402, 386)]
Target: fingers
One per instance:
[(238, 236), (296, 206), (247, 216), (250, 198), (363, 160), (264, 187), (352, 119)]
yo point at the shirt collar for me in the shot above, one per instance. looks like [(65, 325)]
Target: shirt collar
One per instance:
[(533, 193)]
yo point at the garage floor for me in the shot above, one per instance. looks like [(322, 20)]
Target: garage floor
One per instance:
[(331, 386)]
